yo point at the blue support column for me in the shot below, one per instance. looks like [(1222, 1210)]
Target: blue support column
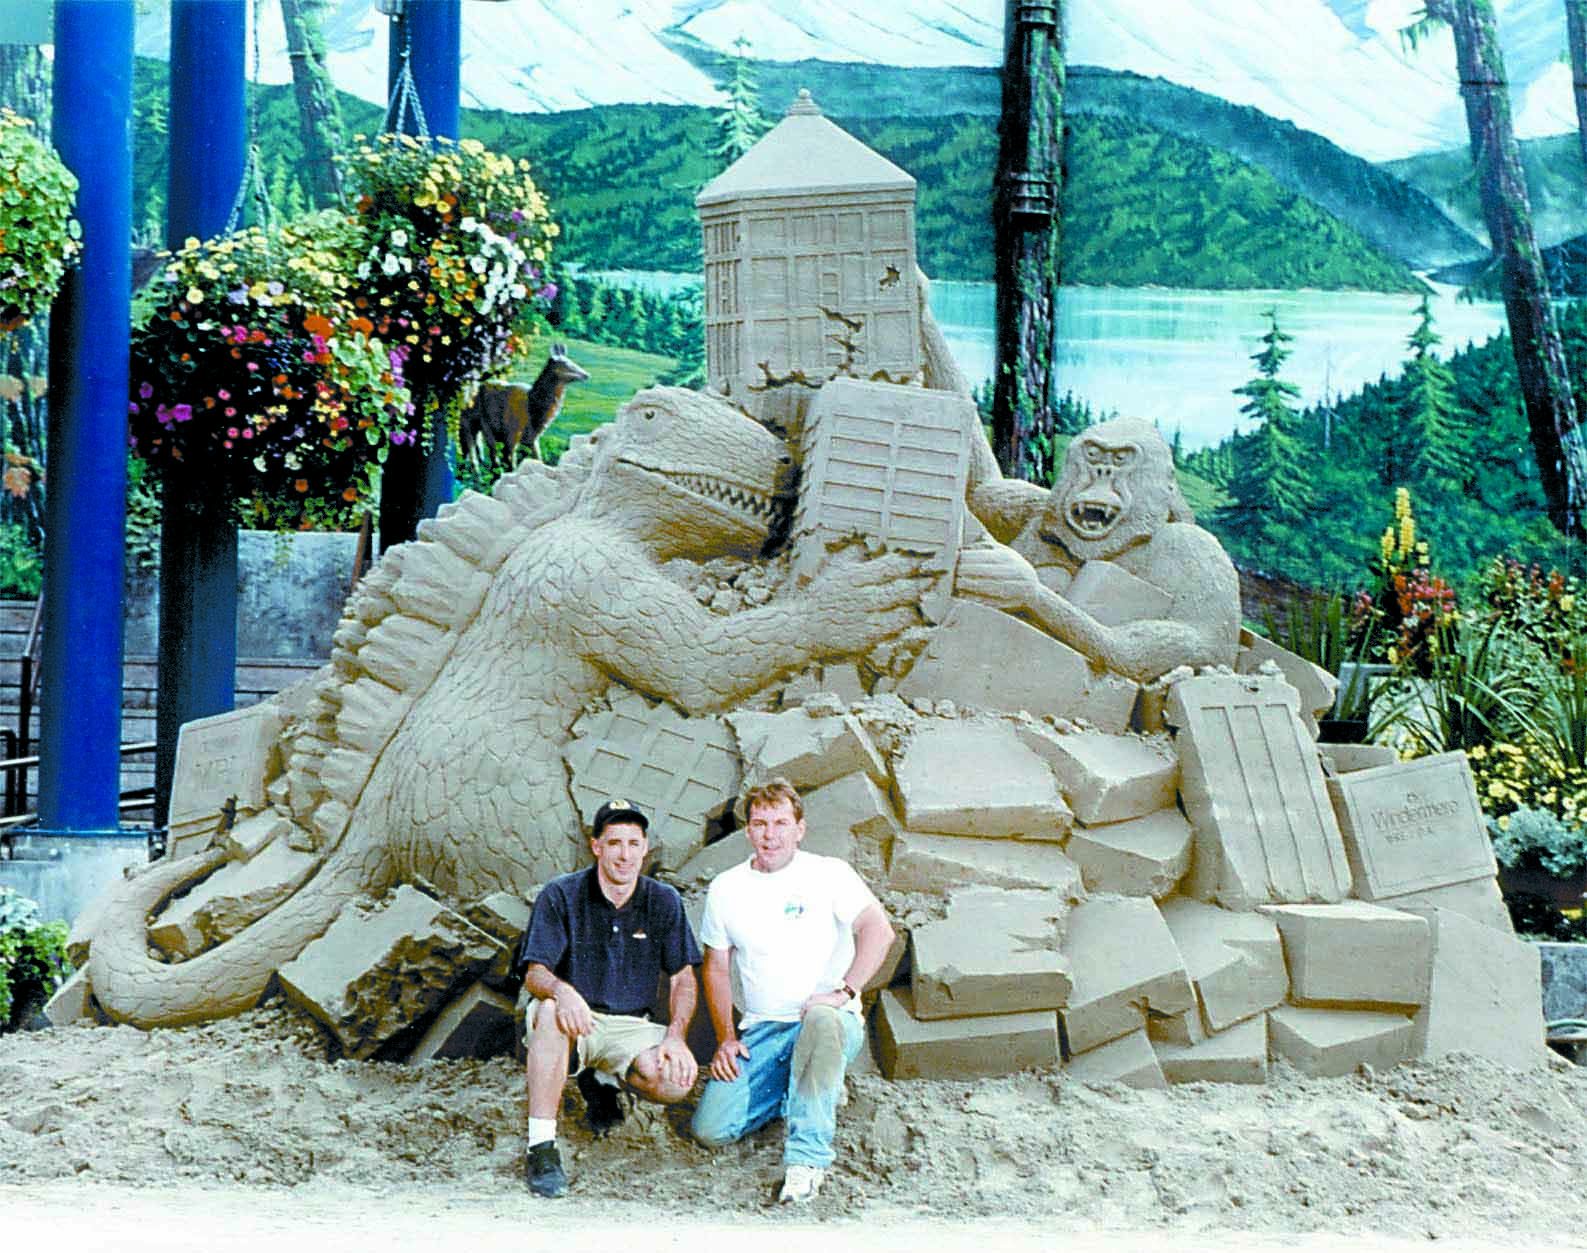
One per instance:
[(80, 731), (198, 533), (415, 483)]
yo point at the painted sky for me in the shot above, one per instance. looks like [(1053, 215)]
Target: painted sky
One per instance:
[(1337, 67)]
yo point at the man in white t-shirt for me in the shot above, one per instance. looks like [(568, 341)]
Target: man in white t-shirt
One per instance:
[(807, 935)]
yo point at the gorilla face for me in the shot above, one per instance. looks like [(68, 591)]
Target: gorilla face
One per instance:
[(1117, 489)]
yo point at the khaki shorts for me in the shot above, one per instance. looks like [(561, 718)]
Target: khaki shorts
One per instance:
[(615, 1042)]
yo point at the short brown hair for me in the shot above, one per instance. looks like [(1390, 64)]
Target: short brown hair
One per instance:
[(770, 794)]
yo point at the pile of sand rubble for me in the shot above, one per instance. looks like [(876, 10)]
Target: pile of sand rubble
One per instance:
[(1457, 1147)]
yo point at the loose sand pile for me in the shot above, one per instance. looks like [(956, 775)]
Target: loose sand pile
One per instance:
[(1458, 1148)]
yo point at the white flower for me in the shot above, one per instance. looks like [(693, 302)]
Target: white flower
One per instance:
[(478, 265), (519, 291), (469, 224), (259, 463), (399, 238), (363, 270), (391, 264)]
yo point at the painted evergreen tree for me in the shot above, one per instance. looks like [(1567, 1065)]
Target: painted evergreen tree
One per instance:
[(319, 110), (1426, 441), (1270, 487), (741, 123)]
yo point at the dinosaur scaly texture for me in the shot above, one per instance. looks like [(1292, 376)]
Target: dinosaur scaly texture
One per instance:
[(428, 750)]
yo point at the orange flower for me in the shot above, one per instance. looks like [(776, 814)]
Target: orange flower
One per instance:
[(350, 494), (363, 325), (302, 485), (318, 324)]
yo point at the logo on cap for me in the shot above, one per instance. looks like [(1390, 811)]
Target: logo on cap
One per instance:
[(618, 804)]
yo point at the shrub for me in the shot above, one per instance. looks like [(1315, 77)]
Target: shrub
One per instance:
[(32, 958)]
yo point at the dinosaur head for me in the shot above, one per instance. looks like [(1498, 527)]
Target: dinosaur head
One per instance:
[(694, 475)]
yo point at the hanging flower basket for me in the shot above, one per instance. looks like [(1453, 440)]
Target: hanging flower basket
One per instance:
[(39, 238), (252, 367), (457, 241)]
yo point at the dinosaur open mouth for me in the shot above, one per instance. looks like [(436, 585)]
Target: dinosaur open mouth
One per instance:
[(1093, 519), (762, 505)]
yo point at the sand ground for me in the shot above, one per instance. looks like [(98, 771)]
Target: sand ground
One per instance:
[(234, 1135)]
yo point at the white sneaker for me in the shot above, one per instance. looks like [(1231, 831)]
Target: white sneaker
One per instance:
[(801, 1184)]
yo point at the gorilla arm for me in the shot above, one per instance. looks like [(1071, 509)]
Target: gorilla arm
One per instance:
[(1201, 628)]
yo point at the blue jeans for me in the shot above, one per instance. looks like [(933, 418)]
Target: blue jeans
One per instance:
[(765, 1088)]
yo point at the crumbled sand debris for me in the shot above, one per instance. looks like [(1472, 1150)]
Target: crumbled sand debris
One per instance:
[(1455, 1148)]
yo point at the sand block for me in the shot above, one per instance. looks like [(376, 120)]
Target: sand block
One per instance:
[(1125, 963), (807, 751), (1317, 688), (996, 952), (1128, 1060), (1478, 899), (247, 838), (1327, 1043), (376, 971), (934, 863), (72, 1001), (186, 839), (1238, 1055), (969, 778), (960, 1048), (987, 659), (477, 1024), (231, 899), (1140, 857), (1253, 788), (1348, 758), (1354, 953), (1235, 961), (886, 462), (1485, 995), (1107, 778), (1184, 1027), (1114, 596), (852, 805), (1412, 825), (220, 757), (504, 916), (680, 771)]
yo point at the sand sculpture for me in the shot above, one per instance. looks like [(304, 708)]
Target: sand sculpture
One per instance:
[(1030, 717)]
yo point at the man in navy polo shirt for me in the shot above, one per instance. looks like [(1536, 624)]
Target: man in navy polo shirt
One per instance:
[(598, 942)]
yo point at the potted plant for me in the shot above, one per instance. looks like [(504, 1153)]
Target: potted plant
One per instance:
[(39, 238)]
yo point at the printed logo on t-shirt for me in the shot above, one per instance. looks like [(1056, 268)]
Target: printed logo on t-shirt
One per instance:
[(793, 910)]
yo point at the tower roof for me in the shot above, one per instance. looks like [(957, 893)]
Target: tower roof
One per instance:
[(804, 154)]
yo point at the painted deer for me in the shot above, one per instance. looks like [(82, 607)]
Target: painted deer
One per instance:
[(506, 414)]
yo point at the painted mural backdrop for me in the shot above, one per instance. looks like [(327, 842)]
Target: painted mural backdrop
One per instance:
[(1265, 204)]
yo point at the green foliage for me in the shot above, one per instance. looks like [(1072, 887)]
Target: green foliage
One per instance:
[(38, 235), (144, 505), (740, 123), (1426, 445), (21, 564), (32, 958)]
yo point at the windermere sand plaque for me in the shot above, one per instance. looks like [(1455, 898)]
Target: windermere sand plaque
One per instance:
[(1412, 825)]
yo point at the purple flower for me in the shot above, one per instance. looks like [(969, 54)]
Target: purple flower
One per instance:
[(132, 407), (238, 297), (145, 391), (181, 413), (402, 437)]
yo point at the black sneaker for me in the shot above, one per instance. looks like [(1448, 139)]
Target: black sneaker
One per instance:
[(603, 1102), (544, 1170)]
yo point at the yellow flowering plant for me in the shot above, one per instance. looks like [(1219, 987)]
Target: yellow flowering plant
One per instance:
[(1402, 616), (39, 238), (456, 243)]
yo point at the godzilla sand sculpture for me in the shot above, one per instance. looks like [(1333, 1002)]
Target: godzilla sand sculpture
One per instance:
[(1095, 803)]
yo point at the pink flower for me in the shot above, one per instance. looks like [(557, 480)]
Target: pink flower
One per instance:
[(224, 394), (232, 431)]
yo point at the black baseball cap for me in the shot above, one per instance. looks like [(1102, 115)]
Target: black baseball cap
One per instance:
[(616, 810)]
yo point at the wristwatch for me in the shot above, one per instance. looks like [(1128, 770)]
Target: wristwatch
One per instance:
[(847, 990)]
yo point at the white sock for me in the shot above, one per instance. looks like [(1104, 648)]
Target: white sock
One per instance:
[(542, 1130)]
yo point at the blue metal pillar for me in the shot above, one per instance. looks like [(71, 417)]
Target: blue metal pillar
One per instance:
[(80, 731), (198, 531), (415, 483)]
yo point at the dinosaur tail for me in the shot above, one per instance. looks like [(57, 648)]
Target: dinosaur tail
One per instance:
[(136, 989)]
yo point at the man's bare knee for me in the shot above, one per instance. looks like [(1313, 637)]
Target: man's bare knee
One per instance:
[(645, 1077)]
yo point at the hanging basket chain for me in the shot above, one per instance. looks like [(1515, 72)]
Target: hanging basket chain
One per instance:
[(253, 181), (405, 95)]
